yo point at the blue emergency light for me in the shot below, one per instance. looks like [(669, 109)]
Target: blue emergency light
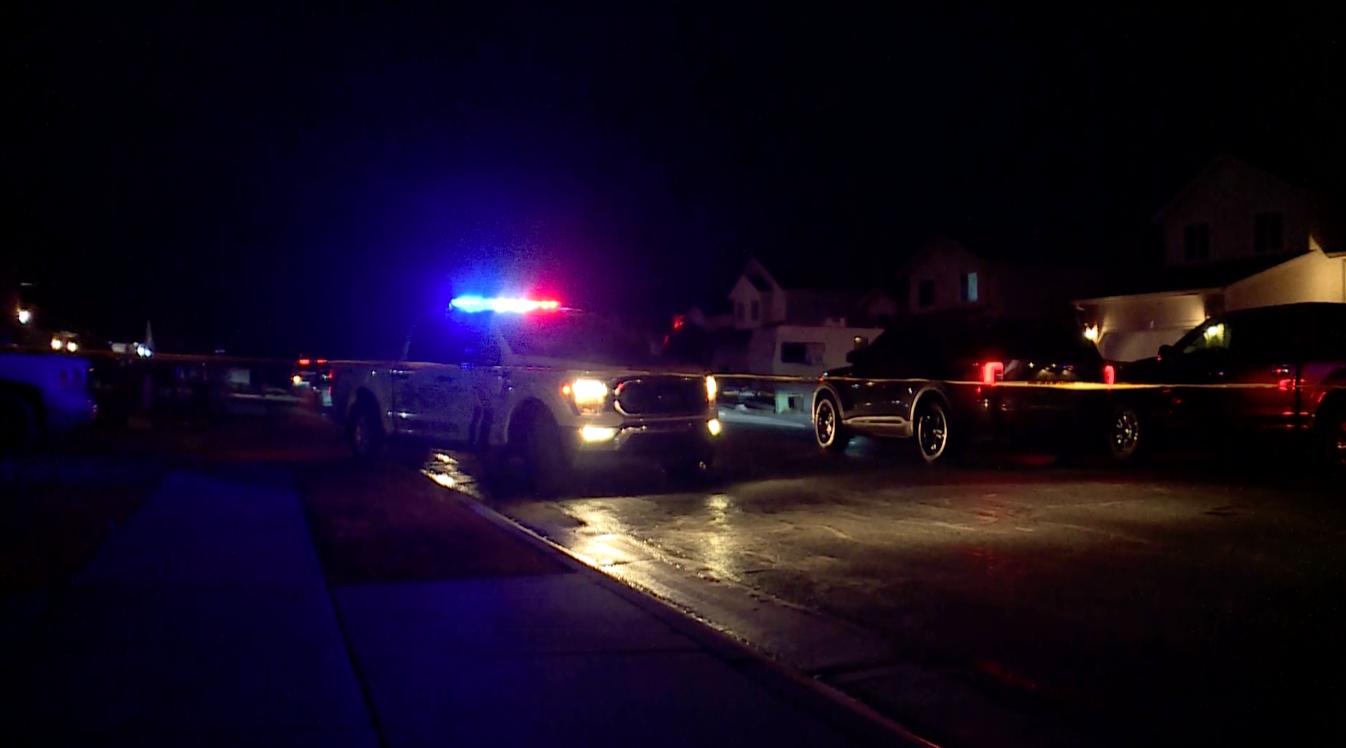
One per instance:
[(511, 304)]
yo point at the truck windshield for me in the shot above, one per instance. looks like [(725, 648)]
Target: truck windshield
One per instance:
[(573, 335)]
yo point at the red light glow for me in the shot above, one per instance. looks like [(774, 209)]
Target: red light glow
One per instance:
[(992, 371), (1109, 374)]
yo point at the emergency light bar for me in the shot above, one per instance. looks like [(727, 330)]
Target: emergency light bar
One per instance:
[(473, 304)]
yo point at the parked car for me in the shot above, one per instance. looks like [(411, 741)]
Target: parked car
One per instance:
[(42, 394), (946, 386), (557, 387), (1253, 375)]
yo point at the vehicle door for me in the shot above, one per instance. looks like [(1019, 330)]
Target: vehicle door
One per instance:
[(1192, 376), (1049, 392), (1262, 369), (428, 386)]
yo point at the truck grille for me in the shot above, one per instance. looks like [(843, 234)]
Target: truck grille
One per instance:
[(662, 396)]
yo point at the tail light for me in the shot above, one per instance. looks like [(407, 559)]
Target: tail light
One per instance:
[(1109, 374), (992, 371)]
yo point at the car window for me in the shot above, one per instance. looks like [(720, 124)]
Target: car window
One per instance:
[(452, 341), (574, 335), (1213, 336)]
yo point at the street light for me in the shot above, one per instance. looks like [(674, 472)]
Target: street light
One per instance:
[(25, 316)]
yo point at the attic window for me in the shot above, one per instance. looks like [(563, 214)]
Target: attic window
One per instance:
[(1268, 233), (1196, 242), (925, 293)]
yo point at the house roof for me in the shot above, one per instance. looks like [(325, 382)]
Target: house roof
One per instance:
[(1196, 278)]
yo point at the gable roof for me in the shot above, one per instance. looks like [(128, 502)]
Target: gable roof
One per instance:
[(1221, 161)]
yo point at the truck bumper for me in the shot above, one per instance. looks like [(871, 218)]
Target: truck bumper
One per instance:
[(663, 440)]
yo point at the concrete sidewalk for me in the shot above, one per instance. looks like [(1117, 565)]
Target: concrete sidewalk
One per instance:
[(207, 621)]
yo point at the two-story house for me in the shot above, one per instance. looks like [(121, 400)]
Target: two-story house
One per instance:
[(790, 328), (944, 279), (1236, 236)]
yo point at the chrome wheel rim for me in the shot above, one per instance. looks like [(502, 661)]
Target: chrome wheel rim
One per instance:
[(1125, 432), (932, 432), (825, 423)]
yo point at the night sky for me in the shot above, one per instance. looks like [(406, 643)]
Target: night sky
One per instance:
[(312, 178)]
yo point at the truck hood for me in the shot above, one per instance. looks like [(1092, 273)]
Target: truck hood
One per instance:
[(606, 370)]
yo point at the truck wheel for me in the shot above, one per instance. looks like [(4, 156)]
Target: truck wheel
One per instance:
[(828, 431), (932, 430), (364, 432), (1124, 434), (18, 422), (545, 456)]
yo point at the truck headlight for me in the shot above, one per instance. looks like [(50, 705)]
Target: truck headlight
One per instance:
[(712, 388), (587, 394)]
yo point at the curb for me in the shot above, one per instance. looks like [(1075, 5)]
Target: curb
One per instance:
[(834, 707)]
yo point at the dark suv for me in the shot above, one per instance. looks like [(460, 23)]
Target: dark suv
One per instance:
[(945, 385), (1266, 372)]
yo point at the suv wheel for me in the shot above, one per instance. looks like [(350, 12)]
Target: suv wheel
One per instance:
[(1124, 433), (828, 430), (932, 430)]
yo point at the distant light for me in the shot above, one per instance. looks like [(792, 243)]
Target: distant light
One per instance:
[(712, 388), (511, 304), (57, 344), (1091, 333), (25, 316), (71, 346), (714, 427), (143, 350), (296, 380), (305, 361), (591, 433)]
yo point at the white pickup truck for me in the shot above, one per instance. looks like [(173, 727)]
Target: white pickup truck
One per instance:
[(557, 387), (42, 394)]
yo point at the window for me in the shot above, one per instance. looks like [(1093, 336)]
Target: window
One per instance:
[(925, 293), (969, 288), (756, 310), (1268, 233), (738, 311), (450, 342), (1211, 337), (1196, 242), (809, 354)]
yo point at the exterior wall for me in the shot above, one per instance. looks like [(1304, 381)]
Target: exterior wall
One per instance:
[(764, 350), (1133, 327), (745, 293), (1227, 198), (1311, 277)]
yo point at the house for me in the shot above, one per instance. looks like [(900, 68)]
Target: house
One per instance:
[(789, 327), (944, 278), (1234, 237)]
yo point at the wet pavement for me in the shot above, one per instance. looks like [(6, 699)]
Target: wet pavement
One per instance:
[(1006, 601)]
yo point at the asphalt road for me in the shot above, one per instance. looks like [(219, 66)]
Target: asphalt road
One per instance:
[(1006, 601)]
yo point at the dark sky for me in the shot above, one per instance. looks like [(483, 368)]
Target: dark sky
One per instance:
[(311, 178)]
